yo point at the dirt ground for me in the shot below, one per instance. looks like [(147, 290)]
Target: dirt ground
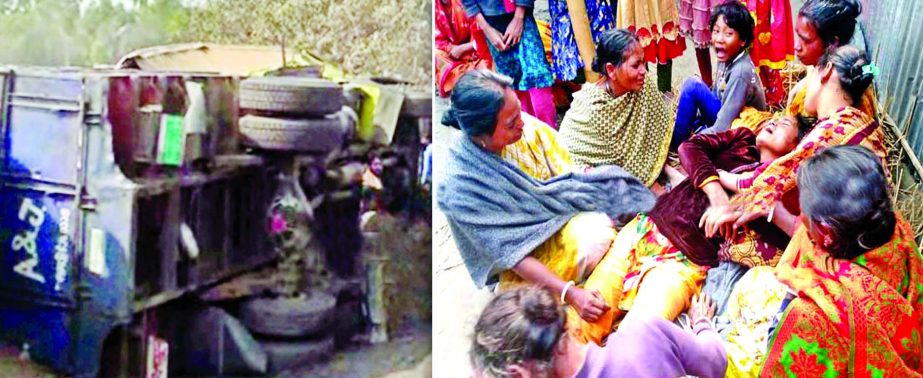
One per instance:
[(456, 300), (404, 356)]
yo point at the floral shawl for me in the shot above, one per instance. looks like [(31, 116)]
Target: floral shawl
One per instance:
[(851, 318), (761, 189)]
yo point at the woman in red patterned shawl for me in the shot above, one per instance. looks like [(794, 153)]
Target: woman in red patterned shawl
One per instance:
[(856, 273), (460, 45), (833, 92)]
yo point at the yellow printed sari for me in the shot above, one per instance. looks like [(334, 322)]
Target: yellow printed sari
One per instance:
[(578, 252)]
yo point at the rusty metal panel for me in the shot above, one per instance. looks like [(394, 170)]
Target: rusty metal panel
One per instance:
[(207, 57), (893, 31), (97, 231)]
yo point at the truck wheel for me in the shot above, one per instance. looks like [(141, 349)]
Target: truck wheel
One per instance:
[(289, 317), (303, 135), (291, 95)]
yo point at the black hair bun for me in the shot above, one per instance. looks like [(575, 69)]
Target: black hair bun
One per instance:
[(853, 8), (879, 228), (859, 77), (450, 119), (538, 309)]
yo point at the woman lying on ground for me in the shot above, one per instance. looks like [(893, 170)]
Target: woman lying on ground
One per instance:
[(521, 333), (516, 211), (622, 119), (663, 255), (832, 93), (678, 214), (854, 270)]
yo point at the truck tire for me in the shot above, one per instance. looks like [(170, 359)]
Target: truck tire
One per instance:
[(289, 317), (291, 95), (302, 135), (286, 355)]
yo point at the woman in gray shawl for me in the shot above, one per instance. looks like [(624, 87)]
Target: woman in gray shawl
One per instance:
[(513, 224)]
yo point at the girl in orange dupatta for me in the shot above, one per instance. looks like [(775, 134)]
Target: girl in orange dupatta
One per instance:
[(460, 45), (857, 274), (822, 26), (831, 94)]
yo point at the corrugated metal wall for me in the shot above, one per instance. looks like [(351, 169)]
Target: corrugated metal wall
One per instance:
[(893, 31)]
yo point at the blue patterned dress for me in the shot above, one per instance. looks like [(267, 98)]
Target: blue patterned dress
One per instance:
[(525, 62), (567, 60)]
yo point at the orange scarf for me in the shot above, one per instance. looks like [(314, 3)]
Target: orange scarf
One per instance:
[(851, 318)]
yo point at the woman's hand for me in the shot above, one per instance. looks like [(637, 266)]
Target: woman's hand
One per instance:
[(514, 30), (493, 36), (496, 39), (701, 307), (716, 195), (747, 216), (458, 51), (589, 305), (719, 220)]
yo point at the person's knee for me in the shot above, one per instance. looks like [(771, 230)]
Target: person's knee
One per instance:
[(693, 84)]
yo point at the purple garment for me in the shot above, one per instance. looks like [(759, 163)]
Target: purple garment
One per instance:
[(678, 212), (653, 347)]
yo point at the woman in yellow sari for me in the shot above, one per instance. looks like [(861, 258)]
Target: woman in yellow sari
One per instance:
[(577, 259)]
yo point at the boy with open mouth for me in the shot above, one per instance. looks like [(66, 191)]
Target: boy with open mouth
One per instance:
[(736, 84)]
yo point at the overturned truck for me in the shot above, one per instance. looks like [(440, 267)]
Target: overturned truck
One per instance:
[(122, 190)]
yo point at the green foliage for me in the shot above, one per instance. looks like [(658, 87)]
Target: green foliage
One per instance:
[(377, 37), (84, 32)]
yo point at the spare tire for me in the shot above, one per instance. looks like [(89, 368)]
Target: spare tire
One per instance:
[(291, 95), (302, 135), (286, 355), (289, 317)]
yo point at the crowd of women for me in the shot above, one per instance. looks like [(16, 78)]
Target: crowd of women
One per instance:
[(769, 247)]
